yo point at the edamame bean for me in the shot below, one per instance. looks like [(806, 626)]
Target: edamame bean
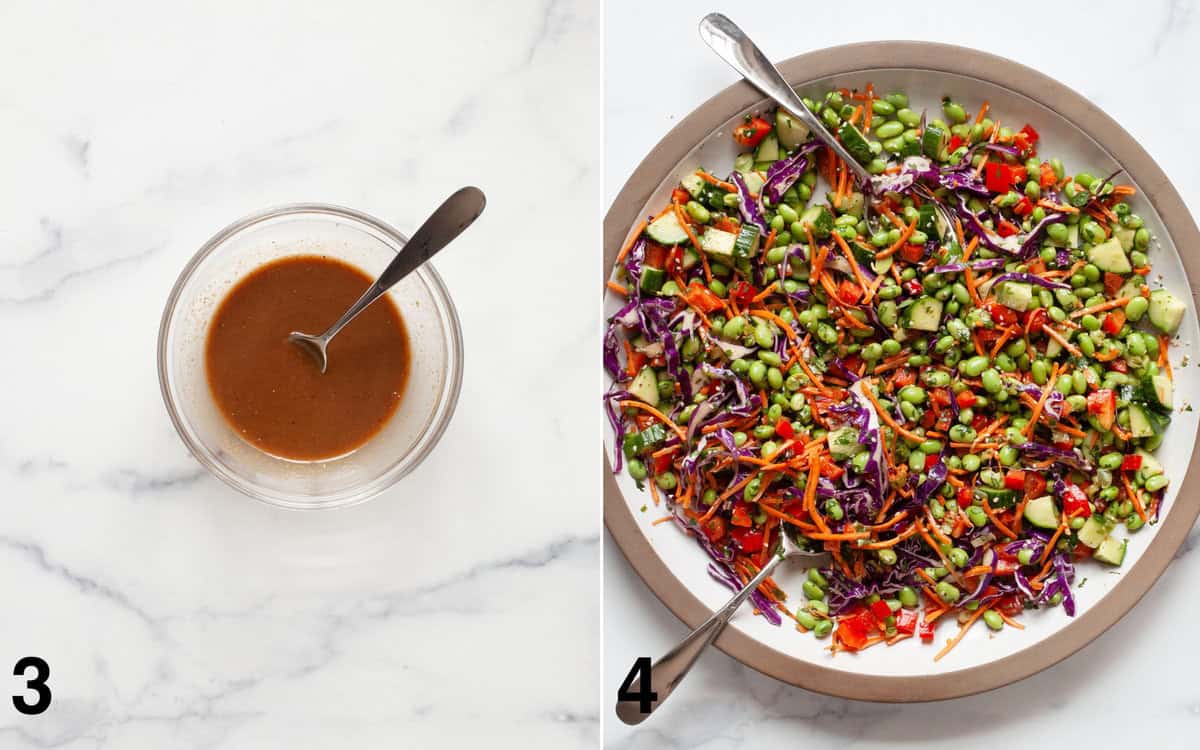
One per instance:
[(1136, 308), (991, 380), (886, 556), (959, 556), (947, 592), (813, 591), (974, 366), (970, 462), (637, 469), (1156, 482), (757, 373), (666, 481), (1110, 461), (763, 336), (954, 111), (775, 378), (889, 130), (993, 619), (698, 212), (823, 629), (914, 394), (976, 516)]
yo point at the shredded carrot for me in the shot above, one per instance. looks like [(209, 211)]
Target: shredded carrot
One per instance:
[(1061, 341), (633, 238), (618, 288), (961, 632), (904, 235), (630, 403), (889, 421), (1135, 497), (714, 181), (1110, 304), (768, 315)]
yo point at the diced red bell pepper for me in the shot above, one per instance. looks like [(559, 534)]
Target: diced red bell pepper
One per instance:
[(931, 461), (680, 196), (1075, 502), (997, 177), (749, 540), (1119, 365), (1007, 228), (726, 224), (740, 515), (854, 629), (1113, 322), (830, 470), (714, 528), (904, 376), (1002, 314), (1035, 484), (1014, 480), (906, 621), (1132, 462), (925, 630), (1018, 173), (979, 422), (965, 496), (881, 610), (912, 253), (965, 399), (1065, 445), (1113, 283), (1046, 176), (783, 429), (1010, 605), (912, 286), (1024, 207), (663, 463), (1102, 404), (702, 299), (955, 143), (1006, 565), (742, 292), (752, 133), (634, 362), (1026, 138), (655, 255), (849, 292)]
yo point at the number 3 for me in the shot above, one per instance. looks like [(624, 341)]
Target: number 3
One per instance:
[(37, 683)]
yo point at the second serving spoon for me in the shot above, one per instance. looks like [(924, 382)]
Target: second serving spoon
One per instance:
[(455, 214)]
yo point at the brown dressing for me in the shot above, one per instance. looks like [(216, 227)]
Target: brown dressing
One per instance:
[(271, 392)]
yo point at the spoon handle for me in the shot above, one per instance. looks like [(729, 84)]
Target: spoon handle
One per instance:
[(455, 214), (733, 46), (669, 671)]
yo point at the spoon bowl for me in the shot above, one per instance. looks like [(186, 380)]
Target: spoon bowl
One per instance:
[(455, 214)]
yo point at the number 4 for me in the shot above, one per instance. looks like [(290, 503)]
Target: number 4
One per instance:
[(37, 683), (645, 697)]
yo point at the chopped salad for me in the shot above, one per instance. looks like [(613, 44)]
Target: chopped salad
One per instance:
[(953, 378)]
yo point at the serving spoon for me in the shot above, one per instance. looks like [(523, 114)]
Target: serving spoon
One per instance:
[(455, 214), (736, 48), (669, 671)]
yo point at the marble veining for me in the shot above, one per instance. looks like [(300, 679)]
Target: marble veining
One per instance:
[(457, 609), (1135, 684)]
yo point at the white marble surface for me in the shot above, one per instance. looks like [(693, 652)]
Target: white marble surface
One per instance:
[(1136, 684), (459, 608)]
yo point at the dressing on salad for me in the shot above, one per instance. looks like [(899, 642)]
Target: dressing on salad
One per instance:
[(953, 378)]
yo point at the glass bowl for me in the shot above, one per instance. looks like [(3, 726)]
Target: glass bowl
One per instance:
[(434, 381)]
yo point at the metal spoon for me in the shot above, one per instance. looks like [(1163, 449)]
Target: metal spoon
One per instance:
[(733, 46), (449, 220), (669, 671)]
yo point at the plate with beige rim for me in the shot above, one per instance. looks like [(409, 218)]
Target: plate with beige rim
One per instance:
[(1084, 137)]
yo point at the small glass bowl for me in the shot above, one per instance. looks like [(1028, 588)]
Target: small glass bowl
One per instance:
[(435, 376)]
